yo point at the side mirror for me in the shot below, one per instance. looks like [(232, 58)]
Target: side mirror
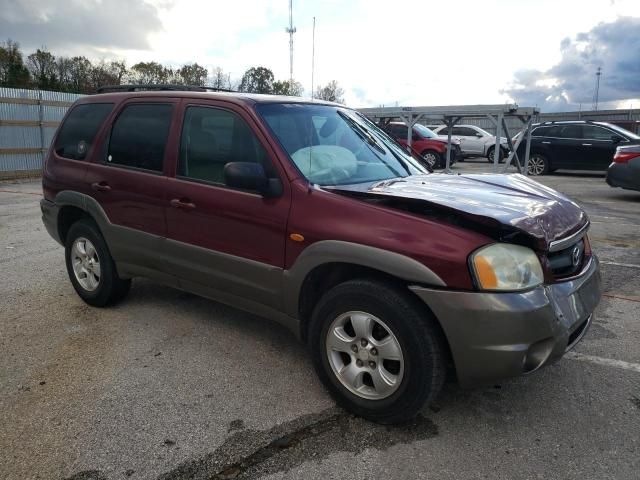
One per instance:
[(479, 135), (251, 176), (616, 138)]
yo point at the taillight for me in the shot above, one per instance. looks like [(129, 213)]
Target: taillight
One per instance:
[(624, 157)]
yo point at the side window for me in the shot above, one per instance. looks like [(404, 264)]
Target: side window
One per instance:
[(461, 131), (468, 132), (444, 131), (80, 128), (593, 132), (139, 136), (211, 138), (570, 131)]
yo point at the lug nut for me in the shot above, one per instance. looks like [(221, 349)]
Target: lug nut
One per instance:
[(359, 362), (374, 351), (363, 342), (354, 348), (372, 364)]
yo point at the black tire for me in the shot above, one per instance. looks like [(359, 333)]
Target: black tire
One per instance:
[(437, 158), (416, 330), (110, 288), (490, 155), (538, 164)]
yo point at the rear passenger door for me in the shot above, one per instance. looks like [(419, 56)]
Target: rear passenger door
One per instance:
[(128, 180), (599, 147), (224, 242), (566, 147)]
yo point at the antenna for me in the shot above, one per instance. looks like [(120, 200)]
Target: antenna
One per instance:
[(596, 93), (313, 54), (291, 30)]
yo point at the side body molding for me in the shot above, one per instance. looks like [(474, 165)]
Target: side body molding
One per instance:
[(335, 251)]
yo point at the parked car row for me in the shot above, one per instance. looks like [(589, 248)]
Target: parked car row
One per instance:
[(425, 143)]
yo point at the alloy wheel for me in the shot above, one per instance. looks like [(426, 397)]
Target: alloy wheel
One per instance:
[(536, 165), (365, 355), (86, 264)]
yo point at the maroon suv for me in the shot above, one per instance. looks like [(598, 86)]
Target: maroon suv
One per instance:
[(309, 214)]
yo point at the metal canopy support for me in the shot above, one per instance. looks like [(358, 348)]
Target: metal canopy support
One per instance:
[(451, 115)]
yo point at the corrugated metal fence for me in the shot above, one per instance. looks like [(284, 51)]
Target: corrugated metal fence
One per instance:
[(28, 121)]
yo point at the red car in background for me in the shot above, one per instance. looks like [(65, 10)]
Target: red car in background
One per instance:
[(426, 144)]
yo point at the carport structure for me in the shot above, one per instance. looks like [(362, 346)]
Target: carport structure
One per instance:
[(451, 115)]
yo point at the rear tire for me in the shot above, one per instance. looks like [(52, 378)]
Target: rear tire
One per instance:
[(90, 267), (377, 350)]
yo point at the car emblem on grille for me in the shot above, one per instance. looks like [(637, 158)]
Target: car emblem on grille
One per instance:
[(576, 255)]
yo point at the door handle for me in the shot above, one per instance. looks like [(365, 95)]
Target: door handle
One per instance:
[(548, 143), (182, 203), (587, 144), (101, 186)]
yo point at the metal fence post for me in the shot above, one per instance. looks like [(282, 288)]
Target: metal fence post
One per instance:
[(41, 125)]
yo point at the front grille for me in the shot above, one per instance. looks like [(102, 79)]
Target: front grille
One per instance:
[(568, 261)]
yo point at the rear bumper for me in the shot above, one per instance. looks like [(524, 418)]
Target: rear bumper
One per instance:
[(625, 175), (50, 218), (493, 336)]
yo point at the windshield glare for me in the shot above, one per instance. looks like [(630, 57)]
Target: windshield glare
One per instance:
[(336, 146), (424, 131)]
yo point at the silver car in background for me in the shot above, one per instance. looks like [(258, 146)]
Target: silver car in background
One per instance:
[(474, 141)]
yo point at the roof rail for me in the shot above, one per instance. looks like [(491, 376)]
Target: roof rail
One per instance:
[(158, 87)]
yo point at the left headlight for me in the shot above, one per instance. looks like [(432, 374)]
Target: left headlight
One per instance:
[(503, 266)]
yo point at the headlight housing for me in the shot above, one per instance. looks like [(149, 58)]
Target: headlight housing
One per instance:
[(506, 267)]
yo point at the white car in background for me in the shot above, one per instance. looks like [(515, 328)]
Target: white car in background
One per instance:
[(474, 141)]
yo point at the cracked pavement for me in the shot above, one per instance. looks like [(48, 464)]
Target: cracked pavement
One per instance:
[(167, 385)]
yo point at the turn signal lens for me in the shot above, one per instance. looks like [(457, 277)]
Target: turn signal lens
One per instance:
[(504, 266)]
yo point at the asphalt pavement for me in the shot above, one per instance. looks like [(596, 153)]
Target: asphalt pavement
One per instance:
[(167, 385)]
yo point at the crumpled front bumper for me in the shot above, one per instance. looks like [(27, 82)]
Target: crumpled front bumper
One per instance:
[(493, 336)]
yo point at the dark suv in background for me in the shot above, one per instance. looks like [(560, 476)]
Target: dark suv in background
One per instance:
[(574, 145)]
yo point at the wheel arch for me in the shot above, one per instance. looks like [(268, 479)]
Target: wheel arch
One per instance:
[(326, 263), (75, 206)]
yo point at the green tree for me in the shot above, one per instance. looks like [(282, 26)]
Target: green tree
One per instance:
[(284, 87), (150, 73), (257, 80), (331, 92), (13, 72), (192, 74), (80, 75), (42, 66)]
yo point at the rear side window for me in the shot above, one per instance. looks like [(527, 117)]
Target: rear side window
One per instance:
[(570, 131), (593, 132), (139, 136), (79, 129), (211, 138)]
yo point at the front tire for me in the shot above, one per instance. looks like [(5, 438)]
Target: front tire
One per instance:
[(434, 158), (377, 350), (490, 155), (538, 165), (90, 267)]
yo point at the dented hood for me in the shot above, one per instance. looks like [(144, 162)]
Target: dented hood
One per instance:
[(513, 201)]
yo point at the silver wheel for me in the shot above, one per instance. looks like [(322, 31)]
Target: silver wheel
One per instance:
[(365, 355), (536, 165), (431, 159), (86, 264)]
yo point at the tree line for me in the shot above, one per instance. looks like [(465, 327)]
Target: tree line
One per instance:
[(46, 71)]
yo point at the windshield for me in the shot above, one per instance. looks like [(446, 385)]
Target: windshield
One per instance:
[(424, 131), (622, 131), (336, 146)]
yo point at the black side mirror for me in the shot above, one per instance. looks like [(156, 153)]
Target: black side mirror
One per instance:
[(616, 138), (479, 135), (251, 176)]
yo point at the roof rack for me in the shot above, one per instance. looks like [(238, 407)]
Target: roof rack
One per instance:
[(158, 87)]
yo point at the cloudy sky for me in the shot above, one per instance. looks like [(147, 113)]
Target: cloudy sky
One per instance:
[(419, 52)]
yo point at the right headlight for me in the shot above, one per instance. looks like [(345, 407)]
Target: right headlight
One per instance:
[(503, 266)]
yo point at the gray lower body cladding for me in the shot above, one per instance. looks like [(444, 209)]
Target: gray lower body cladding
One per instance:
[(494, 336)]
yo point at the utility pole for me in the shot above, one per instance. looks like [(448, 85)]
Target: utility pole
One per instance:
[(596, 93), (291, 30), (313, 54)]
